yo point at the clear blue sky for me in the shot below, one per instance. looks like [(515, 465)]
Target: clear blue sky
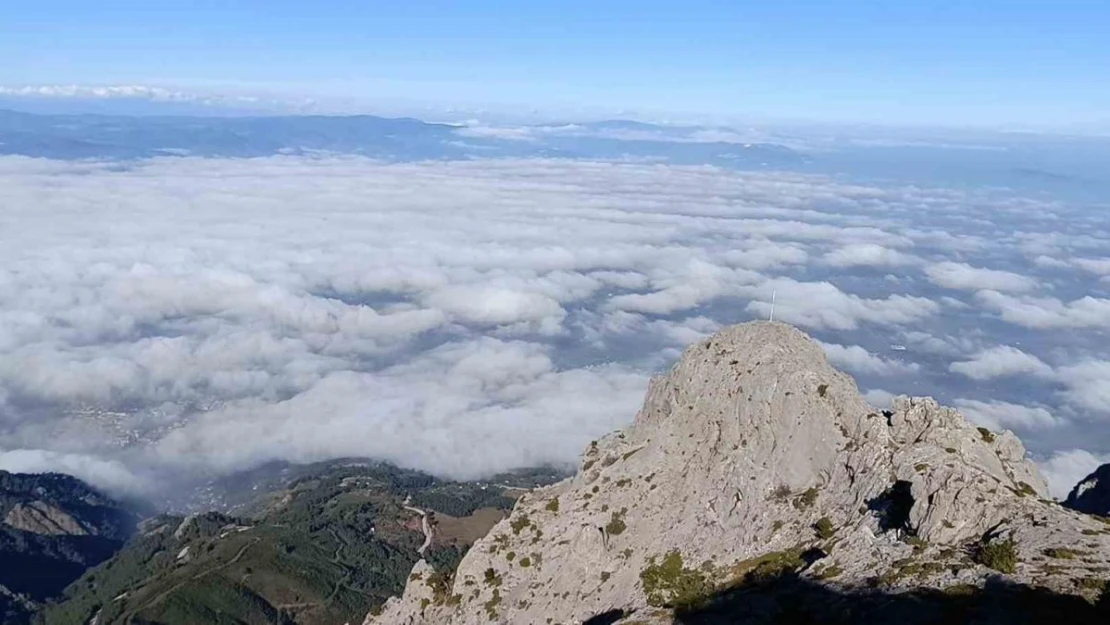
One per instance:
[(976, 62)]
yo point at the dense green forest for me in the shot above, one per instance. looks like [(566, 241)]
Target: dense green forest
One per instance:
[(326, 548)]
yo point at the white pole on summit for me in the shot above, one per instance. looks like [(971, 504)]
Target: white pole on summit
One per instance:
[(773, 305)]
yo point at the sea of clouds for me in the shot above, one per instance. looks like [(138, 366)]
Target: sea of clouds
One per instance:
[(191, 316)]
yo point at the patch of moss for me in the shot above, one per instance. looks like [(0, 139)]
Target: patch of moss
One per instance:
[(1092, 583), (776, 526), (1000, 555), (510, 556), (822, 389), (520, 523), (767, 566), (950, 450), (824, 528), (986, 435), (830, 572), (1062, 553), (492, 578), (440, 583), (1024, 490), (624, 481), (921, 467), (668, 583), (616, 526), (961, 590), (491, 605), (781, 493), (589, 465), (525, 562), (806, 499), (605, 575), (553, 505), (918, 544)]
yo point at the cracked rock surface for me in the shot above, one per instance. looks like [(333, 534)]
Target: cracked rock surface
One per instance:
[(753, 454)]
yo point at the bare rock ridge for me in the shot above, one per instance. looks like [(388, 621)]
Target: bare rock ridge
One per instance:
[(751, 458), (1092, 493)]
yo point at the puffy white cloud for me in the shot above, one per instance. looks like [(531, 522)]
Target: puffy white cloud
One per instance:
[(1098, 266), (1087, 386), (489, 305), (1047, 312), (1065, 469), (867, 255), (964, 277), (858, 360), (1001, 360), (879, 398), (1001, 415), (822, 305)]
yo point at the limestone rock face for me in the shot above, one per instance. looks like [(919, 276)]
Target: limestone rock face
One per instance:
[(1092, 493), (753, 451), (40, 517)]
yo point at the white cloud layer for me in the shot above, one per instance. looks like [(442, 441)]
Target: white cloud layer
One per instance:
[(187, 315), (964, 277), (1002, 360)]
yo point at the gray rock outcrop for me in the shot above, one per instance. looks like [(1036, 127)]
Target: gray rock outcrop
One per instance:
[(753, 455), (39, 517)]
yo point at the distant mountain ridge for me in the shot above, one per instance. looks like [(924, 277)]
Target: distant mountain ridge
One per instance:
[(70, 137)]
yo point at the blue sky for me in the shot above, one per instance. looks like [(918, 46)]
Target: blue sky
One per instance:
[(979, 62)]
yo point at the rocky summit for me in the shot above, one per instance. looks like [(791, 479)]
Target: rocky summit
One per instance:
[(757, 485)]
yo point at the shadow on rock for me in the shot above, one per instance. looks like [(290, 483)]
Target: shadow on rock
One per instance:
[(790, 600)]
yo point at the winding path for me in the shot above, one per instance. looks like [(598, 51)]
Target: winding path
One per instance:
[(427, 527)]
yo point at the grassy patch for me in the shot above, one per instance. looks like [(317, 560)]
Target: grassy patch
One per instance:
[(781, 493), (492, 578), (806, 499), (616, 526), (830, 572), (553, 505), (1062, 553), (669, 583), (1000, 555), (824, 528), (491, 605), (986, 435), (767, 566), (520, 523)]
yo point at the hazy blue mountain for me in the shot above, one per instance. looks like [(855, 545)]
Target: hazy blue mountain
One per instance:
[(88, 136)]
